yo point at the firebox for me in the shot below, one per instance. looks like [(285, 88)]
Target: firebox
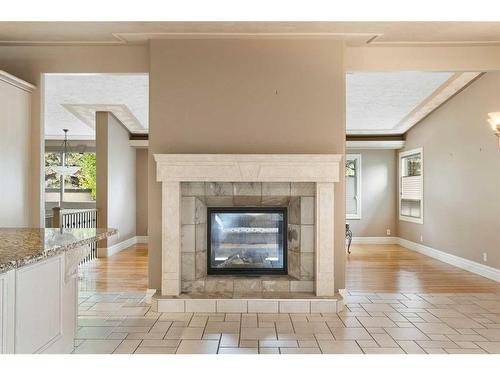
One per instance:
[(247, 241)]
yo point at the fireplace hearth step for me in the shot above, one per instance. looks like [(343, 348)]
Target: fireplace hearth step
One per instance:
[(263, 303)]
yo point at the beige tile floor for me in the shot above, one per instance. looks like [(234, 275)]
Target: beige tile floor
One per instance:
[(122, 323)]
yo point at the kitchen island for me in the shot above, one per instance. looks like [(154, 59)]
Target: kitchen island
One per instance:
[(39, 287)]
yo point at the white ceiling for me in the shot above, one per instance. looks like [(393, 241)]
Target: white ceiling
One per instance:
[(392, 102), (71, 101)]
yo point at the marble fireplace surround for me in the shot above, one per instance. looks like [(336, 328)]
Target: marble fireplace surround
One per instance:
[(321, 169)]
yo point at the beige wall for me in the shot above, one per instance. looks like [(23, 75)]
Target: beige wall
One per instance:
[(244, 96), (15, 155), (30, 62), (378, 194), (116, 168), (141, 186), (461, 175)]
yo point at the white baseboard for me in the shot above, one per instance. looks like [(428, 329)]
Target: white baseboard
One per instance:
[(116, 248), (375, 240), (142, 239), (465, 264)]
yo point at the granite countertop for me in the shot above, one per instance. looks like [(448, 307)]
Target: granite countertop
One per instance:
[(22, 246)]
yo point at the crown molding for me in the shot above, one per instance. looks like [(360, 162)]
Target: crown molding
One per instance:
[(375, 145), (17, 82)]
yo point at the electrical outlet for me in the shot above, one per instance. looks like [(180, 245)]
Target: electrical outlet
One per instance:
[(388, 232), (485, 257), (421, 238)]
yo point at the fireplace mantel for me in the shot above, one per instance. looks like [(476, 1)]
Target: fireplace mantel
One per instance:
[(322, 169)]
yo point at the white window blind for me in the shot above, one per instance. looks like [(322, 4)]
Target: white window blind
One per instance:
[(411, 186), (353, 186)]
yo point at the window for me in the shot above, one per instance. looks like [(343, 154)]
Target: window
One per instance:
[(353, 186), (411, 186), (82, 185)]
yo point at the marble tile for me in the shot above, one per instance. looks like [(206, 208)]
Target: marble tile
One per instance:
[(294, 211), (278, 344), (248, 285), (275, 200), (219, 201), (381, 322), (171, 306), (490, 347), (229, 340), (323, 306), (247, 188), (247, 200), (93, 332), (294, 264), (435, 328), (158, 343), (238, 351), (188, 333), (198, 347), (307, 210), (201, 265), (218, 285), (306, 266), (383, 350), (275, 285), (97, 347), (410, 347), (462, 322), (269, 351), (406, 334), (232, 306), (193, 189), (306, 189), (294, 307), (302, 286), (339, 347), (193, 286), (293, 237), (187, 210), (250, 333), (222, 327), (146, 335), (200, 212), (200, 305), (188, 266), (276, 188), (127, 347), (262, 306), (218, 189), (307, 236), (154, 350), (188, 238)]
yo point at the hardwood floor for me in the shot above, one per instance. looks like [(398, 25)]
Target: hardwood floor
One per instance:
[(392, 268), (369, 268), (125, 271)]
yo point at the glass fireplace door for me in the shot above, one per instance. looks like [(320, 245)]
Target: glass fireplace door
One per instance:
[(247, 241)]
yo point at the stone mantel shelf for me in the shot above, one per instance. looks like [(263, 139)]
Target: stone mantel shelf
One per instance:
[(322, 169), (248, 167)]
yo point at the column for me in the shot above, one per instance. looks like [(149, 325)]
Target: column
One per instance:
[(171, 239), (324, 280)]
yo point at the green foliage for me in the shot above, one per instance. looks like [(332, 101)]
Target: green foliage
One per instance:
[(87, 177)]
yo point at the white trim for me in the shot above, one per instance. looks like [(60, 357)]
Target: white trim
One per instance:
[(359, 168), (139, 143), (374, 145), (17, 82), (401, 155), (376, 240), (141, 239), (149, 295), (465, 264), (104, 252)]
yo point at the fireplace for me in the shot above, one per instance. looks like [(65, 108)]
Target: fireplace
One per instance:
[(246, 241)]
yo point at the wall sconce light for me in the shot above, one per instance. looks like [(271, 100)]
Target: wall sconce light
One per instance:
[(494, 120)]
